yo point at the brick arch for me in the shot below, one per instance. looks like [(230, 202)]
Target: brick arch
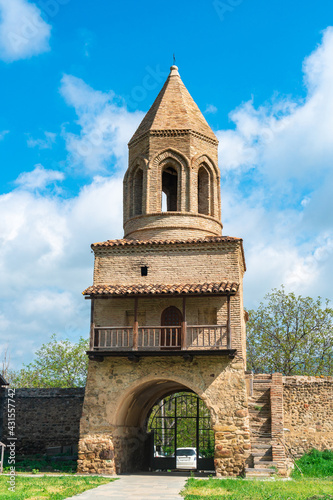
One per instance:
[(172, 154), (130, 197), (199, 159), (139, 161), (214, 198), (181, 165), (134, 406)]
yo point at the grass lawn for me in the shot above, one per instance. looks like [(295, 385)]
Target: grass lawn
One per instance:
[(41, 463), (315, 464), (316, 483), (240, 489), (48, 487)]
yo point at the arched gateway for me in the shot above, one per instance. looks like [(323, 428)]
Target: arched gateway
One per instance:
[(180, 434), (167, 319)]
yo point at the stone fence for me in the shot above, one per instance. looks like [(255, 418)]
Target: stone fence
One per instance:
[(308, 413), (45, 418)]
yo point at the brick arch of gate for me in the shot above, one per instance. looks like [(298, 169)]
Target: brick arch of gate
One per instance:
[(120, 394), (130, 433)]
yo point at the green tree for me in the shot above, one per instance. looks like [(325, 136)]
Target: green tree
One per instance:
[(290, 334), (59, 363)]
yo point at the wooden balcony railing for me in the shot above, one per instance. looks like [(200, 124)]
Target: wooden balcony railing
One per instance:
[(213, 336), (161, 338)]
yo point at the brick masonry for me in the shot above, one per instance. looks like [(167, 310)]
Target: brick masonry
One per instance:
[(173, 142), (186, 144), (277, 420)]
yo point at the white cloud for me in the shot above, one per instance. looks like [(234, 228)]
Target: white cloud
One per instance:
[(276, 193), (23, 32), (39, 178), (45, 256), (45, 143), (46, 261), (277, 178), (106, 126), (3, 133), (211, 109)]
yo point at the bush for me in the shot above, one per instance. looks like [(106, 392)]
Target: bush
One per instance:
[(315, 463)]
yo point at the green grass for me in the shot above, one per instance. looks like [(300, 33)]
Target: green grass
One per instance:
[(316, 483), (240, 489), (48, 487), (41, 463), (315, 464)]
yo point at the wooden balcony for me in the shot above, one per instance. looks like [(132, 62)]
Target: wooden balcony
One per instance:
[(185, 340)]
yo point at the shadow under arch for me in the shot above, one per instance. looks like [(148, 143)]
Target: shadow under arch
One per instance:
[(138, 400), (131, 417)]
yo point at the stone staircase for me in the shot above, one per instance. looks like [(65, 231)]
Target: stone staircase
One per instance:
[(261, 463)]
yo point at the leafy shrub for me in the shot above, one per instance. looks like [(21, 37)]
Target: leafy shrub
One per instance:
[(315, 463)]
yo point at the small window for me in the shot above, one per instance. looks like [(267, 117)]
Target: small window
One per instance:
[(169, 188), (203, 191), (137, 192), (144, 271)]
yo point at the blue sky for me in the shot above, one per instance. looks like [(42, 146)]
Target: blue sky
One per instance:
[(77, 78)]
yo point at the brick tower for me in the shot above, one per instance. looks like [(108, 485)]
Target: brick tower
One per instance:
[(167, 299)]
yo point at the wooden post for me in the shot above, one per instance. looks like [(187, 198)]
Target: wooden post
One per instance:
[(136, 325), (92, 326), (184, 326), (229, 325)]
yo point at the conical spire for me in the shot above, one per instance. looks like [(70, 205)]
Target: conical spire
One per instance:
[(174, 109)]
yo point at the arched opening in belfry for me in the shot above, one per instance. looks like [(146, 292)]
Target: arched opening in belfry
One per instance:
[(170, 188), (137, 192), (203, 191)]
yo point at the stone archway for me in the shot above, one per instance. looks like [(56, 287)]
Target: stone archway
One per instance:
[(120, 395), (131, 443)]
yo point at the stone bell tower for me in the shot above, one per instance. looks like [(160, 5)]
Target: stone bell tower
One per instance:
[(167, 299), (173, 151)]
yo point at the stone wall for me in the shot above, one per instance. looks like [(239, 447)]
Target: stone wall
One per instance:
[(44, 418), (308, 413), (120, 395)]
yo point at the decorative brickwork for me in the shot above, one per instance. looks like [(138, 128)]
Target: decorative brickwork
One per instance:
[(173, 144)]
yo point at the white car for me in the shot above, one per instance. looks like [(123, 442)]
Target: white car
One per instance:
[(186, 458)]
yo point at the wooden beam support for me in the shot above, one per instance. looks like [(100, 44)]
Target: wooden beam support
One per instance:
[(92, 342), (136, 326), (229, 325), (184, 326)]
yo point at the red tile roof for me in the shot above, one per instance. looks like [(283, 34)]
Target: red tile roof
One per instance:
[(127, 242), (225, 287)]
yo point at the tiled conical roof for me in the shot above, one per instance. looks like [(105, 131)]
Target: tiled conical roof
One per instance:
[(174, 109)]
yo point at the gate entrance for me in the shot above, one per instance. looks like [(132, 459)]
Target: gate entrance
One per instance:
[(180, 434)]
